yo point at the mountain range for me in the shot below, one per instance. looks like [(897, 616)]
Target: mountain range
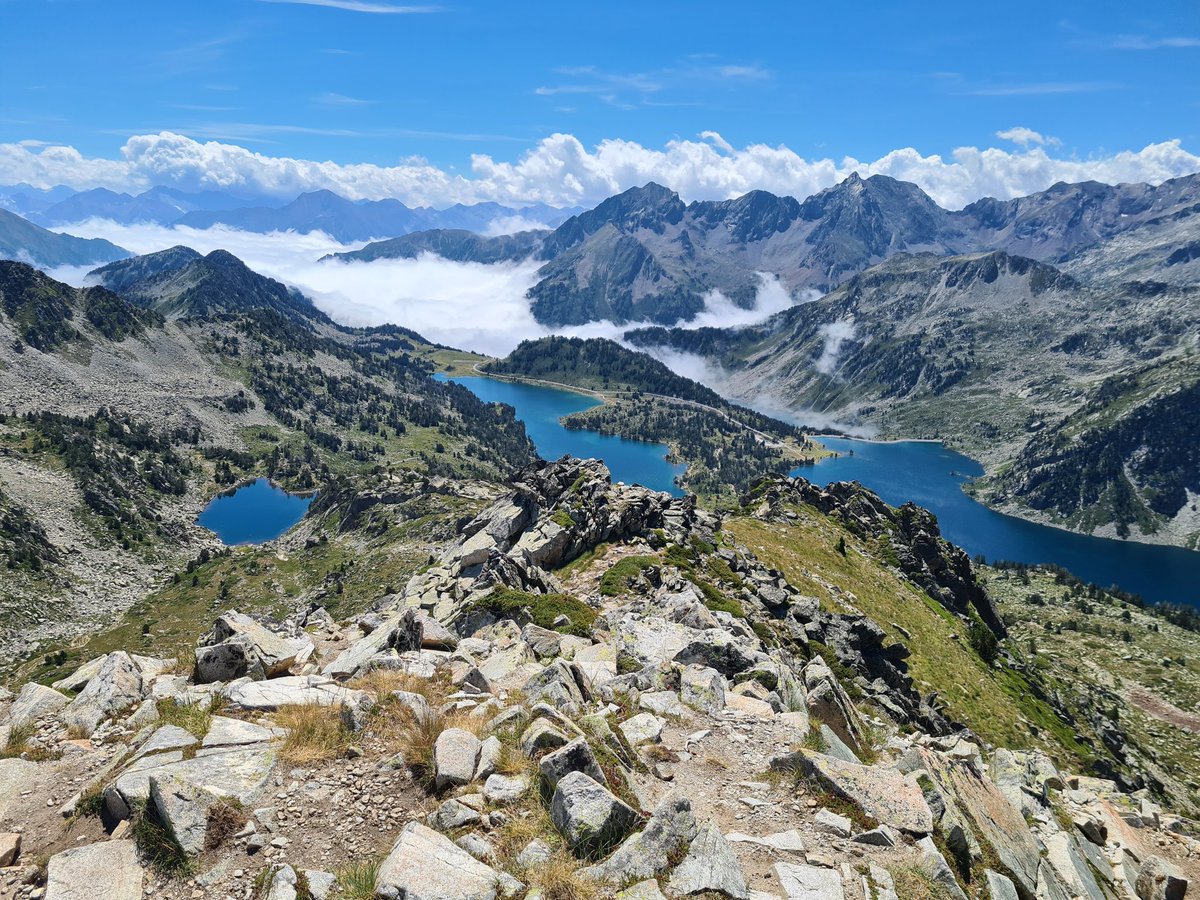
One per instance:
[(22, 240), (645, 255), (322, 210)]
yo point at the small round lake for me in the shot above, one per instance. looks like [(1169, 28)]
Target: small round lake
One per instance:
[(254, 513), (540, 408)]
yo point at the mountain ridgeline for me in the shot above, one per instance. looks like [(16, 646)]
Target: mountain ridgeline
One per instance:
[(645, 255)]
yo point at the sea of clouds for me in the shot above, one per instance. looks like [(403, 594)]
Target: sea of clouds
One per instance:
[(467, 305)]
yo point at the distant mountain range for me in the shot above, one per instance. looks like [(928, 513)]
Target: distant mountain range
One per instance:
[(345, 220), (21, 240), (646, 255)]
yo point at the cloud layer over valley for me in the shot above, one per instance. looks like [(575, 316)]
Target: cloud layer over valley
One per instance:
[(466, 305), (561, 170)]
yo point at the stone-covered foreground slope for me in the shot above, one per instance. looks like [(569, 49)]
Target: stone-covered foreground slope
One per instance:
[(595, 690)]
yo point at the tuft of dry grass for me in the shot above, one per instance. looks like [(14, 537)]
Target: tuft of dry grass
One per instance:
[(314, 733), (559, 878)]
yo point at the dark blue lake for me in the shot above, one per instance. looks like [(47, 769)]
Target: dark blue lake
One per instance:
[(540, 408), (926, 473), (932, 476), (254, 513)]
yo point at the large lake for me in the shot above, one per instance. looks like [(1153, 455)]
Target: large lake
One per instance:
[(926, 473), (254, 513), (540, 408)]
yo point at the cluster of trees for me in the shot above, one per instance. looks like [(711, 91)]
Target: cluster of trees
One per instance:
[(122, 465), (1082, 594), (719, 454), (23, 542)]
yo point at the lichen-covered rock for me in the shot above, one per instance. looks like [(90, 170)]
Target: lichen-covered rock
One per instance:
[(647, 853), (710, 866), (115, 688), (455, 757), (588, 816), (106, 871), (424, 865), (576, 756)]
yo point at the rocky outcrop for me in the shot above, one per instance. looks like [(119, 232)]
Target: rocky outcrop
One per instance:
[(923, 555)]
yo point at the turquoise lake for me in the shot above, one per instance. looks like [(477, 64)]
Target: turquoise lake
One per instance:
[(254, 513), (926, 473), (540, 408)]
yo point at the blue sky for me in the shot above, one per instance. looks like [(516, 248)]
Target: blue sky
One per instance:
[(353, 81)]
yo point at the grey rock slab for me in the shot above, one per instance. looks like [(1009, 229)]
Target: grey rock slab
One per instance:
[(276, 652), (504, 789), (1159, 880), (702, 688), (832, 823), (535, 853), (710, 865), (227, 732), (540, 736), (455, 757), (183, 809), (15, 776), (490, 752), (320, 884), (809, 882), (283, 884), (789, 841), (105, 871), (424, 865), (644, 728), (238, 772), (168, 737), (452, 814), (588, 815), (1000, 887), (115, 688), (291, 690), (884, 794), (78, 679), (34, 702), (939, 870), (671, 827), (1071, 866), (665, 703), (836, 747)]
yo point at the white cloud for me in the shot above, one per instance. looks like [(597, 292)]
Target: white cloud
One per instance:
[(360, 6), (834, 334), (1026, 136), (561, 170), (468, 305)]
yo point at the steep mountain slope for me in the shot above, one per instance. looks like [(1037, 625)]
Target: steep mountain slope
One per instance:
[(108, 410), (644, 254), (983, 350), (180, 283), (22, 240), (1128, 458), (454, 244), (124, 274), (160, 205)]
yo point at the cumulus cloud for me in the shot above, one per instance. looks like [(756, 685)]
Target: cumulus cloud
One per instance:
[(561, 170), (834, 334), (1026, 136)]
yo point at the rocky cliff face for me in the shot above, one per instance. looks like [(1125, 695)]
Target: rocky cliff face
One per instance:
[(592, 687)]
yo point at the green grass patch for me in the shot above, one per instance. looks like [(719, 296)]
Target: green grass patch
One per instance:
[(621, 575), (542, 609)]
